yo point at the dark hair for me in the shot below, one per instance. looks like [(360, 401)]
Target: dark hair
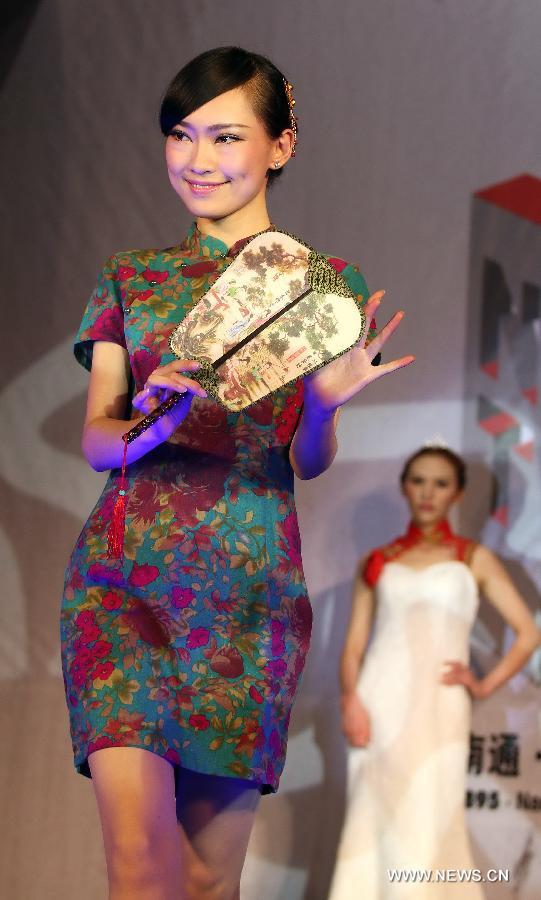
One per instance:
[(452, 458), (216, 71)]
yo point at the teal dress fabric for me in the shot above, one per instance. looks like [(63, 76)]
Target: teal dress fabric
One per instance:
[(192, 645)]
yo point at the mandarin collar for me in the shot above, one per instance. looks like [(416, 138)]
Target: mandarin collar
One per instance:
[(439, 534), (209, 247)]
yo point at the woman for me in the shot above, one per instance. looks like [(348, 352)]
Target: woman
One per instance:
[(182, 660), (407, 714)]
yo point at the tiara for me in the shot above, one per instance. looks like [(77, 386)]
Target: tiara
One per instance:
[(437, 443), (292, 117)]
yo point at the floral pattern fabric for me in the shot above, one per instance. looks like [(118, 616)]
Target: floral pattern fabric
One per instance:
[(193, 644)]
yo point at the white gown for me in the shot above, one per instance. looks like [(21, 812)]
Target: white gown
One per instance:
[(405, 798)]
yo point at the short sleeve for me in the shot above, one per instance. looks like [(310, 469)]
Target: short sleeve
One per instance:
[(103, 319)]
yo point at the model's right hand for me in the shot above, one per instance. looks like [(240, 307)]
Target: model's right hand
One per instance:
[(355, 721), (165, 381)]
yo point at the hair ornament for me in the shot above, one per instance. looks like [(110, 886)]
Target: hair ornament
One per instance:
[(436, 443), (292, 117)]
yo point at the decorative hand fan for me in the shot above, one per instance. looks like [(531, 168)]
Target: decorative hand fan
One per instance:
[(278, 312)]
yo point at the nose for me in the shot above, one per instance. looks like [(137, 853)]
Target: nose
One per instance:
[(202, 161)]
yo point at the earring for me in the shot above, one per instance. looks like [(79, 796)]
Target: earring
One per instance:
[(276, 165)]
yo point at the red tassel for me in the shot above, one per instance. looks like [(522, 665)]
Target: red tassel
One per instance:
[(115, 533)]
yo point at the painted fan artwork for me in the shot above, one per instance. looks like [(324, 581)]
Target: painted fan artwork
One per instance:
[(278, 312)]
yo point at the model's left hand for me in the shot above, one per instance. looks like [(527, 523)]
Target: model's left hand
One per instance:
[(339, 381), (457, 673)]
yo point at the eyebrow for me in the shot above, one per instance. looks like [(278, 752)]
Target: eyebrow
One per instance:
[(218, 126)]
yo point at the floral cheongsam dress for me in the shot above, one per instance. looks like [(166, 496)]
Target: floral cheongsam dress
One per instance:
[(192, 645)]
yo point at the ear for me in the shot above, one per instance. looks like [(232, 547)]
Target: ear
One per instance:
[(282, 148)]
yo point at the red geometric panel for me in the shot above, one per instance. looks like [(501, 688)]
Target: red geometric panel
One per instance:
[(525, 450), (491, 369), (497, 424), (531, 394), (520, 195)]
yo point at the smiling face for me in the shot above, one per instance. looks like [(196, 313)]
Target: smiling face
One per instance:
[(431, 488), (218, 158)]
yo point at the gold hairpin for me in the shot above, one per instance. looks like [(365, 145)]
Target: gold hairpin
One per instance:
[(292, 117)]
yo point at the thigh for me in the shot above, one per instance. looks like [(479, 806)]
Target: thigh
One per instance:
[(135, 792), (216, 816)]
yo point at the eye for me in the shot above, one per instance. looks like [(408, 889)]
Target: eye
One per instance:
[(442, 484), (227, 138), (178, 135)]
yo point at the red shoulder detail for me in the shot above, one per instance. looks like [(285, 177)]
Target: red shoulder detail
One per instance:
[(464, 549), (373, 567), (377, 559)]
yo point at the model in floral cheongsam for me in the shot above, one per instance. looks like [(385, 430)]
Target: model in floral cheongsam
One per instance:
[(192, 645)]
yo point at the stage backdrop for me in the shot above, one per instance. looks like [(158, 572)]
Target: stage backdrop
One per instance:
[(407, 110)]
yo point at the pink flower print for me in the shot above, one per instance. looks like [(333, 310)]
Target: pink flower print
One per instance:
[(90, 634), (111, 601), (182, 597), (125, 272), (103, 671), (78, 677), (199, 637), (200, 723), (155, 276), (85, 619), (101, 649), (143, 574), (84, 659)]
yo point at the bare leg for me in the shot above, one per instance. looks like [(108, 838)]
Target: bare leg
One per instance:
[(135, 791), (215, 817)]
